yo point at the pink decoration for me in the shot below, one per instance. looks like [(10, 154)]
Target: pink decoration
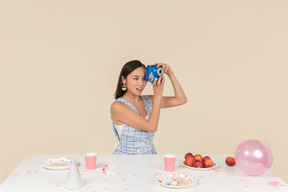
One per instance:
[(253, 157), (275, 184), (104, 169), (215, 169)]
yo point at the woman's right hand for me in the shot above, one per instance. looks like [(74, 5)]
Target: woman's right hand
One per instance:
[(158, 86)]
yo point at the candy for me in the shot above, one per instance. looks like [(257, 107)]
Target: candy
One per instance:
[(160, 178), (168, 181), (174, 178), (182, 184), (174, 183)]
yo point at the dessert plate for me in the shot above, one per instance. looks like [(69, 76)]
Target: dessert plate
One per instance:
[(201, 169), (175, 180), (57, 163)]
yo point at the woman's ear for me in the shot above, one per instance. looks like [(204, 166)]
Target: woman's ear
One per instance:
[(123, 80)]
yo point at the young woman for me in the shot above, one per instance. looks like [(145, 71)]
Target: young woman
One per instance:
[(134, 116)]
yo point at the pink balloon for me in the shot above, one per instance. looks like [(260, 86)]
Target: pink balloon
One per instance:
[(253, 157)]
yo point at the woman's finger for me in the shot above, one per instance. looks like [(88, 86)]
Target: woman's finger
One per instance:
[(163, 80), (165, 68), (159, 80), (157, 64), (155, 81)]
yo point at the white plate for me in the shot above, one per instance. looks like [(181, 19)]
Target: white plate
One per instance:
[(57, 163), (180, 176), (201, 169)]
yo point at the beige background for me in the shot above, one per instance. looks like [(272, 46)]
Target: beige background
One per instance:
[(60, 60)]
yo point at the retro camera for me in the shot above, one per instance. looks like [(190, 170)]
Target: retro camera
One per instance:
[(153, 72)]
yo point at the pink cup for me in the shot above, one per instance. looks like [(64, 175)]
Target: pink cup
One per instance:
[(90, 159), (169, 162)]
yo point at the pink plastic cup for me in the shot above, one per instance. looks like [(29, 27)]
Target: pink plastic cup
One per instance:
[(90, 159), (169, 162)]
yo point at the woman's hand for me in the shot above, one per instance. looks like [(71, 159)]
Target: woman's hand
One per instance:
[(158, 86), (179, 97), (166, 68)]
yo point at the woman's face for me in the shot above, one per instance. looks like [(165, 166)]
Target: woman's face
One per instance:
[(135, 81)]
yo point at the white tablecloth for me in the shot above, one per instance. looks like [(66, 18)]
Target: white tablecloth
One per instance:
[(136, 173)]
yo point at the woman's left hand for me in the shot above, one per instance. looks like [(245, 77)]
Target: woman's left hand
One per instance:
[(166, 68)]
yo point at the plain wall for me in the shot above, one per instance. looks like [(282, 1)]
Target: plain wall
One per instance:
[(60, 61)]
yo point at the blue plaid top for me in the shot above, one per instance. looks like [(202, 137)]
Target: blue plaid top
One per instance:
[(135, 141)]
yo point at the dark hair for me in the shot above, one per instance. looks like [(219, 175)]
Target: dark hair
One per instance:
[(128, 68)]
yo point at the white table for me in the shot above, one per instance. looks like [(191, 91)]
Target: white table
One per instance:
[(136, 173)]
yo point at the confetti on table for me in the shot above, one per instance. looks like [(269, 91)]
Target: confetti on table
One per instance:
[(274, 184)]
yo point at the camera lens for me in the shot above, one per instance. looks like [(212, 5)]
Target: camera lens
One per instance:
[(160, 71)]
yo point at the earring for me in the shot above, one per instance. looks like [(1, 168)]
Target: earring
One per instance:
[(124, 87)]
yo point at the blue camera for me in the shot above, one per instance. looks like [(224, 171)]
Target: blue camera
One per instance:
[(153, 72)]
